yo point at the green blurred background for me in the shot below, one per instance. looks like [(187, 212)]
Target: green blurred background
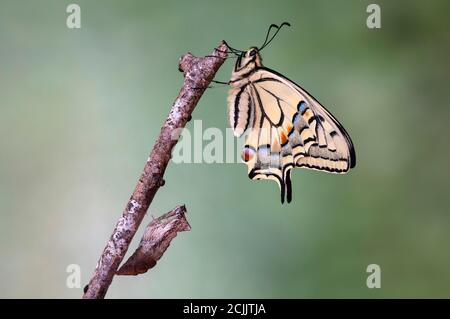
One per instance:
[(80, 110)]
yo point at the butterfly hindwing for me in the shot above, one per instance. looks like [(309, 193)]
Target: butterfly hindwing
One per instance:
[(265, 147)]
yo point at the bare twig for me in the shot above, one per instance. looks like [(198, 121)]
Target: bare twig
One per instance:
[(198, 73), (156, 239)]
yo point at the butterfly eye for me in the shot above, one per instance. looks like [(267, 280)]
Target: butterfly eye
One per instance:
[(252, 52)]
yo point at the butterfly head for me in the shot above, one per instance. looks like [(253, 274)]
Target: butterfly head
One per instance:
[(249, 59)]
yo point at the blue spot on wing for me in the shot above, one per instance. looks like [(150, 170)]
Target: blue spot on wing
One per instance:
[(264, 149), (301, 106), (295, 119)]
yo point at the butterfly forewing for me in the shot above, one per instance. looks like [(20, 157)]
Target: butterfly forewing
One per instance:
[(289, 128)]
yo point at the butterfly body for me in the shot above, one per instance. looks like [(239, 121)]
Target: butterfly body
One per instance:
[(286, 126)]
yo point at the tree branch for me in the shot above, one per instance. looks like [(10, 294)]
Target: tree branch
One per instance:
[(198, 73)]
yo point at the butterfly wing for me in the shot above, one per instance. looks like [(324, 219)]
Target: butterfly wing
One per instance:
[(290, 128)]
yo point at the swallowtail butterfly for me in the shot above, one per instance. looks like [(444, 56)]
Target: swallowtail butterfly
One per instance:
[(286, 126)]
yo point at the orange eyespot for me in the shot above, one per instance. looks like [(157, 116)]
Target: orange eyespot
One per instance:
[(247, 153)]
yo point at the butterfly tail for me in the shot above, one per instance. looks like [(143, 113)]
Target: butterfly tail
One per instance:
[(288, 187)]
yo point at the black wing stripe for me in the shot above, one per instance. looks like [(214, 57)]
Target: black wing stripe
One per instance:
[(335, 121), (237, 107)]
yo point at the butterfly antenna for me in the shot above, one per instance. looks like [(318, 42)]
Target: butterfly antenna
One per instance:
[(233, 50), (266, 41), (268, 33)]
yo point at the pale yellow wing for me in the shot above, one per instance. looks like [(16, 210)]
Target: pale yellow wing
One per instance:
[(289, 128)]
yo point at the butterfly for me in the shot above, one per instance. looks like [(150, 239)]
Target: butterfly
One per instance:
[(286, 126)]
